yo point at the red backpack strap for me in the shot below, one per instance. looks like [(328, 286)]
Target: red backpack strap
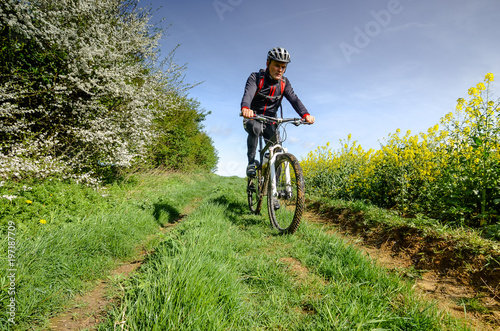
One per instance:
[(261, 83), (283, 83), (260, 76)]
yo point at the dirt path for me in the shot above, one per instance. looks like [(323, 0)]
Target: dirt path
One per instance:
[(89, 310), (451, 292)]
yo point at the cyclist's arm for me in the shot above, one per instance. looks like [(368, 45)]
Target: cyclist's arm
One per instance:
[(297, 105), (250, 89)]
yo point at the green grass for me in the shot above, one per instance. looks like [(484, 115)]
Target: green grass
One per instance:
[(221, 268), (86, 233), (224, 269)]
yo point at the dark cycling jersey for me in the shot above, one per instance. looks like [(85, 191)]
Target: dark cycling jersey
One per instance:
[(272, 88)]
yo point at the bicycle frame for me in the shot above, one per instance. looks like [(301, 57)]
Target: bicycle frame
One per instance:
[(274, 150)]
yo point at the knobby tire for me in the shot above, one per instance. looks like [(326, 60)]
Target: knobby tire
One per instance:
[(287, 217)]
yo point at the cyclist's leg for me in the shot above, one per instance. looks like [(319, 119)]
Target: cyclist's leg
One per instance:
[(269, 132), (254, 129)]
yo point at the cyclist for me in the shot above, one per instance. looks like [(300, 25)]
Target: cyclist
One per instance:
[(264, 91)]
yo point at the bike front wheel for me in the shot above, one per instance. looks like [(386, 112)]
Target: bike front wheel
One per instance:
[(286, 202)]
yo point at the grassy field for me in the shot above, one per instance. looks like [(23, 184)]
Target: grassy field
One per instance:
[(219, 269), (67, 236)]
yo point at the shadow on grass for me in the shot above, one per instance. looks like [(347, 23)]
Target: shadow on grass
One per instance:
[(238, 212), (166, 214)]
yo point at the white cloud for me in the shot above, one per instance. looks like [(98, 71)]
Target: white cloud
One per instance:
[(219, 130)]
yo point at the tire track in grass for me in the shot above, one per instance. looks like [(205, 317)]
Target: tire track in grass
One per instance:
[(302, 276), (89, 309), (191, 282)]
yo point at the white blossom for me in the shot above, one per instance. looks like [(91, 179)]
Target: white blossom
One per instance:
[(9, 197), (90, 102)]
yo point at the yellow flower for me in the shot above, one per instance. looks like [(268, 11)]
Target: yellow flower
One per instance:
[(489, 77), (43, 222), (29, 202)]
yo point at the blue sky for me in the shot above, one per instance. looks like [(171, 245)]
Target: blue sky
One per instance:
[(361, 67)]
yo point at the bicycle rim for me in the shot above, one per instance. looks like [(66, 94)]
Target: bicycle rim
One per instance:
[(286, 206)]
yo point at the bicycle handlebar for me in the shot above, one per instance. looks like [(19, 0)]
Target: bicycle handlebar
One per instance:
[(268, 119)]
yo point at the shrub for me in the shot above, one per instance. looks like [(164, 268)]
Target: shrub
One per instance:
[(180, 142)]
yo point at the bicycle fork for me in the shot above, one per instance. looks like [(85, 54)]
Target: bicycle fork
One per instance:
[(288, 182)]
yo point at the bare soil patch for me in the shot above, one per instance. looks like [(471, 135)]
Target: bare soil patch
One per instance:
[(88, 310), (296, 268), (302, 275), (461, 281)]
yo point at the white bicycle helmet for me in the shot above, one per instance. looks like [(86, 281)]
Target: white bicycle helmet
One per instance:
[(279, 54)]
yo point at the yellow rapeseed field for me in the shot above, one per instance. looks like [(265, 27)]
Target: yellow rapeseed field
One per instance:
[(451, 172)]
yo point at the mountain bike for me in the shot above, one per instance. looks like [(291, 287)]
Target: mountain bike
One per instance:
[(279, 177)]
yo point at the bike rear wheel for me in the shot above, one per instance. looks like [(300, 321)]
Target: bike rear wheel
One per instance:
[(287, 203), (253, 193)]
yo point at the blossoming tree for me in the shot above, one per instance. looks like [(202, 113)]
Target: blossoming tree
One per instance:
[(80, 85)]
